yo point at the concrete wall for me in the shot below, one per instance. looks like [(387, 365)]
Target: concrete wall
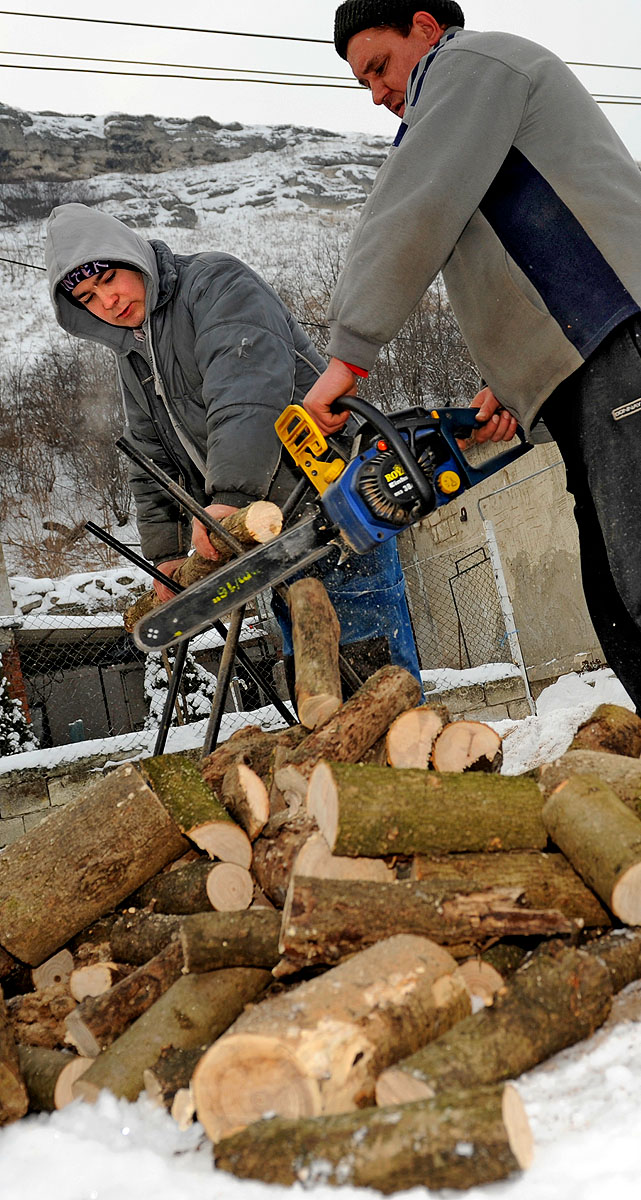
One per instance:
[(538, 547)]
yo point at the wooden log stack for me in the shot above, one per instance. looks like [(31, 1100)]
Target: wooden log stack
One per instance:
[(357, 927)]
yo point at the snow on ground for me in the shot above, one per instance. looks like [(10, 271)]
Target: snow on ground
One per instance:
[(582, 1105)]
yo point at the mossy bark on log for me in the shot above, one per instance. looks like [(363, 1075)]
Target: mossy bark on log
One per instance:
[(319, 1047), (136, 937), (365, 717), (49, 1076), (195, 809), (211, 941), (99, 1020), (326, 920), (620, 772), (460, 1141), (410, 738), (14, 1100), (259, 522), (315, 640), (602, 840), (545, 880), (274, 857), (81, 862), (611, 728), (246, 798), (555, 1000), (467, 746), (174, 892), (171, 1073), (194, 1011), (375, 811)]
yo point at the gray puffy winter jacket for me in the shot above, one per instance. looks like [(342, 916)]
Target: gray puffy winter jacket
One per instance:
[(218, 358)]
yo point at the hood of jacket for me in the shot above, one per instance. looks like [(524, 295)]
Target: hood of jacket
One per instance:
[(77, 234)]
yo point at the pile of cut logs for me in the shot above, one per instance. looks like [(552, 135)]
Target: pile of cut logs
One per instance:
[(334, 945)]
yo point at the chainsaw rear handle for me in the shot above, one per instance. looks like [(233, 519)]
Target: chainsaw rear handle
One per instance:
[(459, 423)]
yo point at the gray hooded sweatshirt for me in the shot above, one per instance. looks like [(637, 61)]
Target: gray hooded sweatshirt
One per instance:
[(505, 175), (218, 358)]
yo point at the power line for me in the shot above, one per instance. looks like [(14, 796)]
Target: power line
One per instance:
[(165, 75), (136, 62), (277, 37), (14, 262)]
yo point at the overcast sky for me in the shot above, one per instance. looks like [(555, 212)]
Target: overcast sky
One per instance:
[(582, 30)]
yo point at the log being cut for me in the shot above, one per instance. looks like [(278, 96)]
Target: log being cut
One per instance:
[(315, 640), (319, 1047)]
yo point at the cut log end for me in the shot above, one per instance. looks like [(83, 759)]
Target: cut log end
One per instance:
[(517, 1127), (64, 1089), (626, 896), (223, 840), (230, 888), (411, 736), (314, 711), (395, 1086), (322, 802), (467, 746), (239, 1083)]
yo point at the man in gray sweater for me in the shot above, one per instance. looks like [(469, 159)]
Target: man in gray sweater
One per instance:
[(506, 176)]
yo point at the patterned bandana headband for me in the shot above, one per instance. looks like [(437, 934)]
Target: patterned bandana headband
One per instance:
[(85, 271)]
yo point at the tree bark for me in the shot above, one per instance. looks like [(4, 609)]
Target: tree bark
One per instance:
[(82, 861), (193, 806), (274, 857), (99, 1020), (611, 728), (252, 746), (621, 773), (467, 746), (376, 811), (194, 1011), (545, 880), (171, 1073), (319, 1047), (14, 1101), (137, 937), (172, 892), (351, 731), (602, 840), (554, 1000), (411, 736), (620, 953), (38, 1017), (49, 1076), (390, 1150), (315, 639), (211, 941), (326, 920)]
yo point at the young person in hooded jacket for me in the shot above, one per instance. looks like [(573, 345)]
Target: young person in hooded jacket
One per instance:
[(208, 356), (506, 176)]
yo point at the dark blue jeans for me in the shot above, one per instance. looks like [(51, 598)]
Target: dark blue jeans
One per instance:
[(601, 447), (368, 594)]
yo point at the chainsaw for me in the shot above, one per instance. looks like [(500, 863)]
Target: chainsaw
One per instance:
[(401, 468)]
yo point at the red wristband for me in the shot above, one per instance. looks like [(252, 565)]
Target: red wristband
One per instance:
[(356, 370)]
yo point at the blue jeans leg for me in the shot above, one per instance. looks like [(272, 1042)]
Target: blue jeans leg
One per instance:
[(368, 594)]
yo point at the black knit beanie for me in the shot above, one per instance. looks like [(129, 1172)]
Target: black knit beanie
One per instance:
[(355, 15)]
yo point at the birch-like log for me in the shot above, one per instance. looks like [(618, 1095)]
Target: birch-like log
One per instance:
[(353, 729), (315, 640), (554, 1000), (458, 1142), (193, 1012), (602, 840), (82, 861), (195, 809), (319, 1047), (376, 811)]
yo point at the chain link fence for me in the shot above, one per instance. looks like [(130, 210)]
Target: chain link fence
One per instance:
[(86, 682)]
